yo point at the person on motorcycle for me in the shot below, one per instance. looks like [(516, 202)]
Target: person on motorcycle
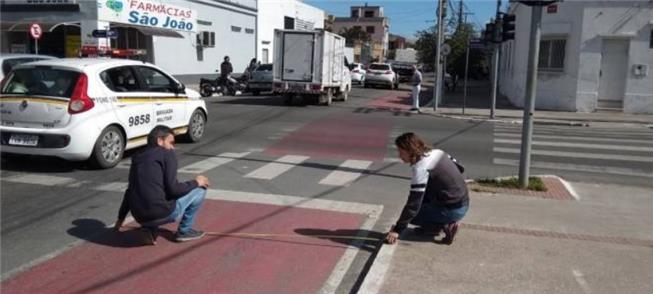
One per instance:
[(250, 69), (225, 73)]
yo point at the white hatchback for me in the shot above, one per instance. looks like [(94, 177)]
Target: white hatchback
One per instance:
[(79, 109), (381, 74)]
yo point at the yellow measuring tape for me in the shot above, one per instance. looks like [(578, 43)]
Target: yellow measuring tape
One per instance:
[(265, 235)]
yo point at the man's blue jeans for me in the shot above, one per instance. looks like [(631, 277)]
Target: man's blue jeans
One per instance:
[(185, 209), (430, 214)]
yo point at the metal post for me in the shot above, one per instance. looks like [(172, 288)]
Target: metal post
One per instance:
[(531, 88), (466, 70), (495, 75), (36, 46), (438, 43)]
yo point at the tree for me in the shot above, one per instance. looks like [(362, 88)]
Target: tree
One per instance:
[(354, 35)]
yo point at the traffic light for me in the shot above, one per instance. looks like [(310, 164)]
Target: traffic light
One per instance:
[(488, 34), (508, 27)]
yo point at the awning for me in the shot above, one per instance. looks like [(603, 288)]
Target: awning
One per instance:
[(24, 26), (150, 31)]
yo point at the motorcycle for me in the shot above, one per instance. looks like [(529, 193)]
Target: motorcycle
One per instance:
[(222, 86)]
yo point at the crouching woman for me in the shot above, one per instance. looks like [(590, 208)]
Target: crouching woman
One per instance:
[(438, 197)]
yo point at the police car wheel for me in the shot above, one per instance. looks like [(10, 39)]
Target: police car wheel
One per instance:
[(109, 148), (196, 126)]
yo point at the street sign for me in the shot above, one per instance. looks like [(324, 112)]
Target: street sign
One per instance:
[(35, 31), (446, 49), (105, 34)]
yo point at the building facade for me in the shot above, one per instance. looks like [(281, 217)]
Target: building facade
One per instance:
[(371, 20), (286, 14), (185, 37), (593, 55)]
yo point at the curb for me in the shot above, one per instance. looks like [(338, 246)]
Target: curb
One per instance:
[(516, 121)]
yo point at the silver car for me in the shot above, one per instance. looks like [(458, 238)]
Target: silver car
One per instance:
[(381, 74), (261, 80)]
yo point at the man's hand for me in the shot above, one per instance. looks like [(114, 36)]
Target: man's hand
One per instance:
[(118, 224), (202, 181), (392, 237)]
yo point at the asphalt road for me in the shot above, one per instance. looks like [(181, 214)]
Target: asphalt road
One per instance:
[(43, 200)]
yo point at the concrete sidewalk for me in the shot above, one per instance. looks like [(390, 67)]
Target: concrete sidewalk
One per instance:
[(601, 243), (478, 101)]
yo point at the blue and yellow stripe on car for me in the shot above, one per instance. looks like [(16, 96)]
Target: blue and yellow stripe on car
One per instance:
[(177, 131), (155, 99), (19, 99)]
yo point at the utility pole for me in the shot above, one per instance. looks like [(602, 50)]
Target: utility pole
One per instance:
[(495, 63), (469, 37), (460, 14), (438, 44)]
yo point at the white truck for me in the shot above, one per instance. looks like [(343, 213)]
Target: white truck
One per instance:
[(310, 64)]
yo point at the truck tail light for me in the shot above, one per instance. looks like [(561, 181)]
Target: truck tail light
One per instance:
[(80, 101)]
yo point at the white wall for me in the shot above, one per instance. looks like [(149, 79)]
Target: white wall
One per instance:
[(271, 15), (182, 57), (583, 23), (630, 20)]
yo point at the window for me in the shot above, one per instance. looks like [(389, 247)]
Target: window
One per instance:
[(154, 81), (377, 66), (650, 44), (120, 79), (249, 31), (369, 13), (354, 13), (41, 81), (552, 55), (358, 28), (288, 23), (236, 29), (265, 55), (369, 29), (264, 67)]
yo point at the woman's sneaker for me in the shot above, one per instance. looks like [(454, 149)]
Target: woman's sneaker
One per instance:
[(450, 231), (190, 235)]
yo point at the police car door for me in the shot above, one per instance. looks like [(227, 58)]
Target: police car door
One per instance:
[(134, 108), (169, 102)]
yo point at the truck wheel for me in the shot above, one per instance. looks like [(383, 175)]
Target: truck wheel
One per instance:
[(344, 95), (327, 97), (109, 148)]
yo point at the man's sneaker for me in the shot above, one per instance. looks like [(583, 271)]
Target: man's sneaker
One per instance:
[(190, 235), (450, 231)]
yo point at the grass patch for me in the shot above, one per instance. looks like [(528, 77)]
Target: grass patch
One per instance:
[(534, 183)]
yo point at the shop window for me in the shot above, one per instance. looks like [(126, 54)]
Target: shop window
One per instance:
[(369, 29), (552, 55), (236, 29)]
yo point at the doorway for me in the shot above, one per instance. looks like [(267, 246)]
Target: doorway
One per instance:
[(613, 73)]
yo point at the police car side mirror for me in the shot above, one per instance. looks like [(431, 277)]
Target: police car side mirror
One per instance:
[(179, 88)]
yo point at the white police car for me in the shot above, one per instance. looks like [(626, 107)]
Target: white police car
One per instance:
[(80, 109)]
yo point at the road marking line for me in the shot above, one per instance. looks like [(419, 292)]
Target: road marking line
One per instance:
[(211, 162), (579, 145), (391, 159), (40, 180), (344, 178), (577, 154), (574, 132), (581, 281), (577, 138), (577, 167), (113, 187), (276, 168)]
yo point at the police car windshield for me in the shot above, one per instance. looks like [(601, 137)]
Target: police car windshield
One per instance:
[(42, 81)]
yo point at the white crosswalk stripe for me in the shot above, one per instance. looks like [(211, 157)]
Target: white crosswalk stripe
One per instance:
[(211, 162), (604, 151), (344, 178), (276, 168)]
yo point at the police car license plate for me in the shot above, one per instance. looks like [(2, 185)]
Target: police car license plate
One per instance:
[(24, 140)]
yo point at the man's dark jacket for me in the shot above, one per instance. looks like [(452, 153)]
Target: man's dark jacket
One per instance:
[(153, 186), (226, 68)]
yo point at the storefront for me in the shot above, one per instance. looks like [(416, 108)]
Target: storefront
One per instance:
[(186, 37)]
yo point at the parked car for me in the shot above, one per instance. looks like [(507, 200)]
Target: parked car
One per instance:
[(381, 74), (261, 80), (358, 73), (404, 71), (8, 61), (93, 109)]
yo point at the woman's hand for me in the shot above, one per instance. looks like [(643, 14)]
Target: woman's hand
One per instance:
[(392, 237)]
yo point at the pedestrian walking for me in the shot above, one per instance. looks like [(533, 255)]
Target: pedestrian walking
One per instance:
[(438, 197), (417, 86), (155, 197)]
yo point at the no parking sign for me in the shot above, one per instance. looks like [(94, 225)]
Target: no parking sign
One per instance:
[(36, 33)]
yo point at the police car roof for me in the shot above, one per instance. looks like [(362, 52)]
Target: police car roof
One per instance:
[(23, 55), (82, 63)]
